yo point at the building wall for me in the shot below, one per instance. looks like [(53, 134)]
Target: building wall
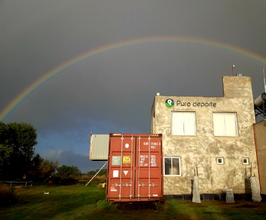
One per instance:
[(260, 131), (200, 152)]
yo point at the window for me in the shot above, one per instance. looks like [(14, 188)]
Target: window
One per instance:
[(172, 166), (225, 124), (183, 123)]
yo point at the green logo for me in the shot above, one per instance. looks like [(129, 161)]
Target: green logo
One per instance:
[(169, 103)]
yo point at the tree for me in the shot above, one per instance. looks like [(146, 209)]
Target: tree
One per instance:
[(41, 168), (17, 141), (5, 150), (5, 153), (68, 171), (92, 172), (48, 167), (102, 172)]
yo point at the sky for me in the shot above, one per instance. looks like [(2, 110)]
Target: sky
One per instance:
[(72, 68)]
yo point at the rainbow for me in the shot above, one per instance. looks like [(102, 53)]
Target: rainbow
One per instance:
[(18, 99)]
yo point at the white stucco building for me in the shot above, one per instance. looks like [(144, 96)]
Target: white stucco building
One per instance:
[(209, 136)]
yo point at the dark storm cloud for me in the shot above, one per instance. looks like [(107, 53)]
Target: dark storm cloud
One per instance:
[(113, 91)]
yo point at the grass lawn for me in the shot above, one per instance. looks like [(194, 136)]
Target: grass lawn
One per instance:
[(80, 202)]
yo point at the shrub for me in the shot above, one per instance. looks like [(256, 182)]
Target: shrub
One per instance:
[(7, 195)]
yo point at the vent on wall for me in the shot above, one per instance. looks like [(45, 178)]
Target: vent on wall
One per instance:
[(245, 160), (220, 160)]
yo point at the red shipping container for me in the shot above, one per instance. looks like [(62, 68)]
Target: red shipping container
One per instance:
[(134, 168)]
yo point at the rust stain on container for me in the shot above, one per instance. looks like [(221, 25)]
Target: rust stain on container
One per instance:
[(134, 168)]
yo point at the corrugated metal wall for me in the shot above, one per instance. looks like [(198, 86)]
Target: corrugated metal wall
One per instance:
[(99, 145)]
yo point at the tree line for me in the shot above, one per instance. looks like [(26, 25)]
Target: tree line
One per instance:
[(18, 159)]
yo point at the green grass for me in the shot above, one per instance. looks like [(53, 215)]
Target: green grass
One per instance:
[(62, 202), (80, 202), (7, 195)]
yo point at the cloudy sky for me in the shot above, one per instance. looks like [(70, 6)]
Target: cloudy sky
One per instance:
[(108, 58)]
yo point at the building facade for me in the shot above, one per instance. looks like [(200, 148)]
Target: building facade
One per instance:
[(211, 137)]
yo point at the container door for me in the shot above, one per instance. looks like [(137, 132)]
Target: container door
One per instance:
[(121, 168), (148, 168)]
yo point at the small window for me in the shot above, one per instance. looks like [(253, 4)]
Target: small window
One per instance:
[(245, 160), (172, 166), (184, 123), (225, 124), (220, 160)]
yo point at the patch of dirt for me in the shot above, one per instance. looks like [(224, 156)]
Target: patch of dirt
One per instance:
[(247, 206), (243, 204)]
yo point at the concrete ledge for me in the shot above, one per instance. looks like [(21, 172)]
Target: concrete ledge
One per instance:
[(221, 197)]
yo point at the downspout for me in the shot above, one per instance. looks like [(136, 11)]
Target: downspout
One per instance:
[(256, 148)]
